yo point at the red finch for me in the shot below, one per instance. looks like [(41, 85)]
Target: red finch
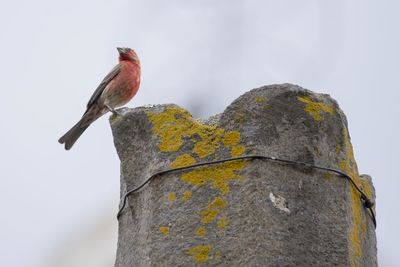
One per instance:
[(115, 90)]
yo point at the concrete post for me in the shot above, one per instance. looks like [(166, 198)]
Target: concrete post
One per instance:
[(243, 213)]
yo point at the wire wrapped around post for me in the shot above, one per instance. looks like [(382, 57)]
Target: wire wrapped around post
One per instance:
[(368, 204)]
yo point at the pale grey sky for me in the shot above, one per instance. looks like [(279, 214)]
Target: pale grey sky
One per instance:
[(198, 54)]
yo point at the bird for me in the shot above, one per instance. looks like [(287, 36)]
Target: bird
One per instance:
[(116, 89)]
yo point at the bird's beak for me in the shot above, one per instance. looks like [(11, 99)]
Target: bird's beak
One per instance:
[(120, 50)]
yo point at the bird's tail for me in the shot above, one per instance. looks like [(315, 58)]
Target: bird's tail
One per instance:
[(72, 135)]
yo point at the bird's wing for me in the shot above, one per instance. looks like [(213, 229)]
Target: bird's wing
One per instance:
[(99, 90)]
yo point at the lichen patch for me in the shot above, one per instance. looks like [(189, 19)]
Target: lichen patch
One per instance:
[(315, 109), (358, 229), (200, 253), (175, 128), (164, 230)]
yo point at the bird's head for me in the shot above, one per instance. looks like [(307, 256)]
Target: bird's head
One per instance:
[(128, 54)]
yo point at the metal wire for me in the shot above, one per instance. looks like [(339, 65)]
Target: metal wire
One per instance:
[(368, 204)]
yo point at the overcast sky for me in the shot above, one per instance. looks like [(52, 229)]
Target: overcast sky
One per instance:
[(198, 54)]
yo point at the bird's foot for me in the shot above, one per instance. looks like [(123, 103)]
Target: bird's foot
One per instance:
[(114, 112)]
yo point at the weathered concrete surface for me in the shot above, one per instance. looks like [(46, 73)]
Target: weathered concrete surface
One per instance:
[(246, 213)]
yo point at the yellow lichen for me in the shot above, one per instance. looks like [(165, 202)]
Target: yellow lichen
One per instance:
[(218, 203), (222, 223), (317, 151), (344, 165), (175, 127), (260, 99), (214, 208), (170, 125), (114, 118), (200, 253), (186, 195), (337, 149), (231, 138), (183, 160), (366, 187), (328, 175), (205, 148), (174, 124), (237, 151), (171, 197), (207, 216), (358, 228), (217, 254), (201, 232), (239, 117), (164, 230), (315, 108), (218, 175)]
